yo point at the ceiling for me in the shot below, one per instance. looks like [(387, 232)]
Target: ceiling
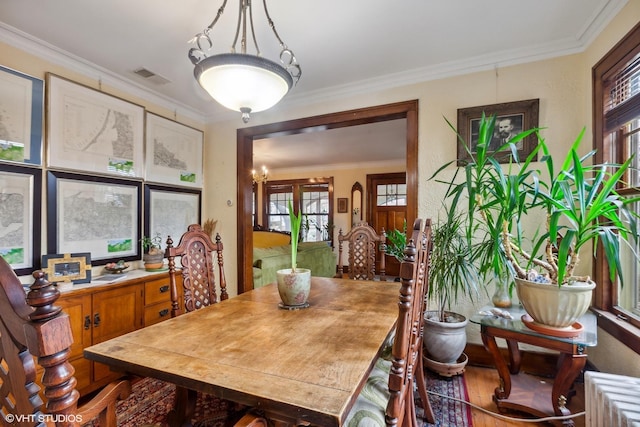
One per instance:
[(344, 47)]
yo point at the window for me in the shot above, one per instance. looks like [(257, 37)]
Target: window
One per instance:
[(392, 195), (616, 118), (314, 197)]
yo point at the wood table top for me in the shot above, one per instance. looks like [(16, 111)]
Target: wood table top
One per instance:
[(306, 364)]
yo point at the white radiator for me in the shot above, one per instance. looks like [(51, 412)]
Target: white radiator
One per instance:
[(611, 400)]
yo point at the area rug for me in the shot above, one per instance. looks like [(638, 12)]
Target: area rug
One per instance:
[(152, 399), (447, 412)]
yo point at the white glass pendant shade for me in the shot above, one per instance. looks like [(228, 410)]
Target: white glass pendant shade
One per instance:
[(243, 81)]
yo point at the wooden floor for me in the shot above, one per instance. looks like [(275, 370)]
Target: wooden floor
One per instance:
[(481, 382)]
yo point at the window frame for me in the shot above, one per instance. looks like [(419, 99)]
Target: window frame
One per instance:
[(611, 318), (297, 186)]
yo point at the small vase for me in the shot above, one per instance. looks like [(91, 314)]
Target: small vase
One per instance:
[(501, 298), (153, 261), (294, 287)]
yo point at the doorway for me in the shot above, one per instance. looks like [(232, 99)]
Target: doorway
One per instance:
[(245, 137), (387, 208)]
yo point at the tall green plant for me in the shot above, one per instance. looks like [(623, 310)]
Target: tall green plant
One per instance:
[(580, 202), (296, 221), (452, 270)]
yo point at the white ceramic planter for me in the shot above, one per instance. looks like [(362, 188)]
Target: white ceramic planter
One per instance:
[(552, 305), (444, 342), (294, 288)]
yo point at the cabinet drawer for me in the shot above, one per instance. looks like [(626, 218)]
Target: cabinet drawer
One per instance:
[(157, 291), (157, 313)]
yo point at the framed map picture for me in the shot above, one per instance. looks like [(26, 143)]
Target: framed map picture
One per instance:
[(169, 212), (94, 214), (20, 216), (92, 131), (174, 152), (21, 117)]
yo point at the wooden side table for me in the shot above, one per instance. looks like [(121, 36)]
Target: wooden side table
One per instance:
[(525, 393)]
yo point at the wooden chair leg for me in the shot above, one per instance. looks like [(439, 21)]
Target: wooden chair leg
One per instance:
[(422, 391)]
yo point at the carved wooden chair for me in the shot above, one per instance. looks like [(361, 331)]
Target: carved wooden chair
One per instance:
[(195, 250), (403, 368), (363, 243), (34, 331)]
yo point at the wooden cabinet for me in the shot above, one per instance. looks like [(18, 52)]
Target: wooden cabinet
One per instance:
[(157, 301), (101, 312)]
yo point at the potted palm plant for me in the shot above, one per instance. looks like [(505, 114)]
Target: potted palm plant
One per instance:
[(452, 275), (578, 206), (294, 284)]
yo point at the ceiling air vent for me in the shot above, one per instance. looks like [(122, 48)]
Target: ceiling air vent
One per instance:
[(151, 76)]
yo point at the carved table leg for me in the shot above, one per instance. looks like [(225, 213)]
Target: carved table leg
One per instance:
[(515, 358), (502, 391), (183, 409), (569, 370)]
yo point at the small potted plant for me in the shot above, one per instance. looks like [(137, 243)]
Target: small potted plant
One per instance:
[(294, 284), (396, 242), (153, 254), (577, 205)]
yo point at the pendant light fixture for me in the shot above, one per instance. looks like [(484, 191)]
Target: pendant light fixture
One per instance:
[(243, 81)]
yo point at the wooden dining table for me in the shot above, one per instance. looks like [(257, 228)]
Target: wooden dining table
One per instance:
[(304, 366)]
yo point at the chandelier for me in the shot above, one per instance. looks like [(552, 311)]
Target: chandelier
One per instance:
[(260, 177), (243, 81)]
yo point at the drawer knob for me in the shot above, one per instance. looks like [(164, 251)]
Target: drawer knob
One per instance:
[(164, 312), (164, 289), (87, 322)]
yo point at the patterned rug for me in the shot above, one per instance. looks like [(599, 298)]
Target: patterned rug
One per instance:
[(152, 399), (447, 412)]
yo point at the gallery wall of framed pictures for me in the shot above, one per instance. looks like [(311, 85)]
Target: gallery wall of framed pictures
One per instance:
[(112, 172)]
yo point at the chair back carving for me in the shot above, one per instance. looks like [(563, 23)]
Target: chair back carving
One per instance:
[(407, 368), (198, 280), (33, 329), (364, 241)]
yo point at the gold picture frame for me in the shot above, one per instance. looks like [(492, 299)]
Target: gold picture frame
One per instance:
[(60, 268)]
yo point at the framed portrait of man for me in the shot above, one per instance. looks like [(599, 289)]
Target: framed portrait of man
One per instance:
[(511, 119)]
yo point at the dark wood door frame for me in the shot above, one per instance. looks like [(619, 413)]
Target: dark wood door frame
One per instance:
[(245, 136)]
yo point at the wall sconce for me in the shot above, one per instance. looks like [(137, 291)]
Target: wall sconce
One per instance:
[(260, 177)]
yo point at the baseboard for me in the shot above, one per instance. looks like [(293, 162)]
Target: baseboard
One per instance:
[(535, 363), (542, 364)]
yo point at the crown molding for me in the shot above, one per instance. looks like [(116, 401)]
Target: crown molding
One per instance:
[(26, 42), (576, 44)]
